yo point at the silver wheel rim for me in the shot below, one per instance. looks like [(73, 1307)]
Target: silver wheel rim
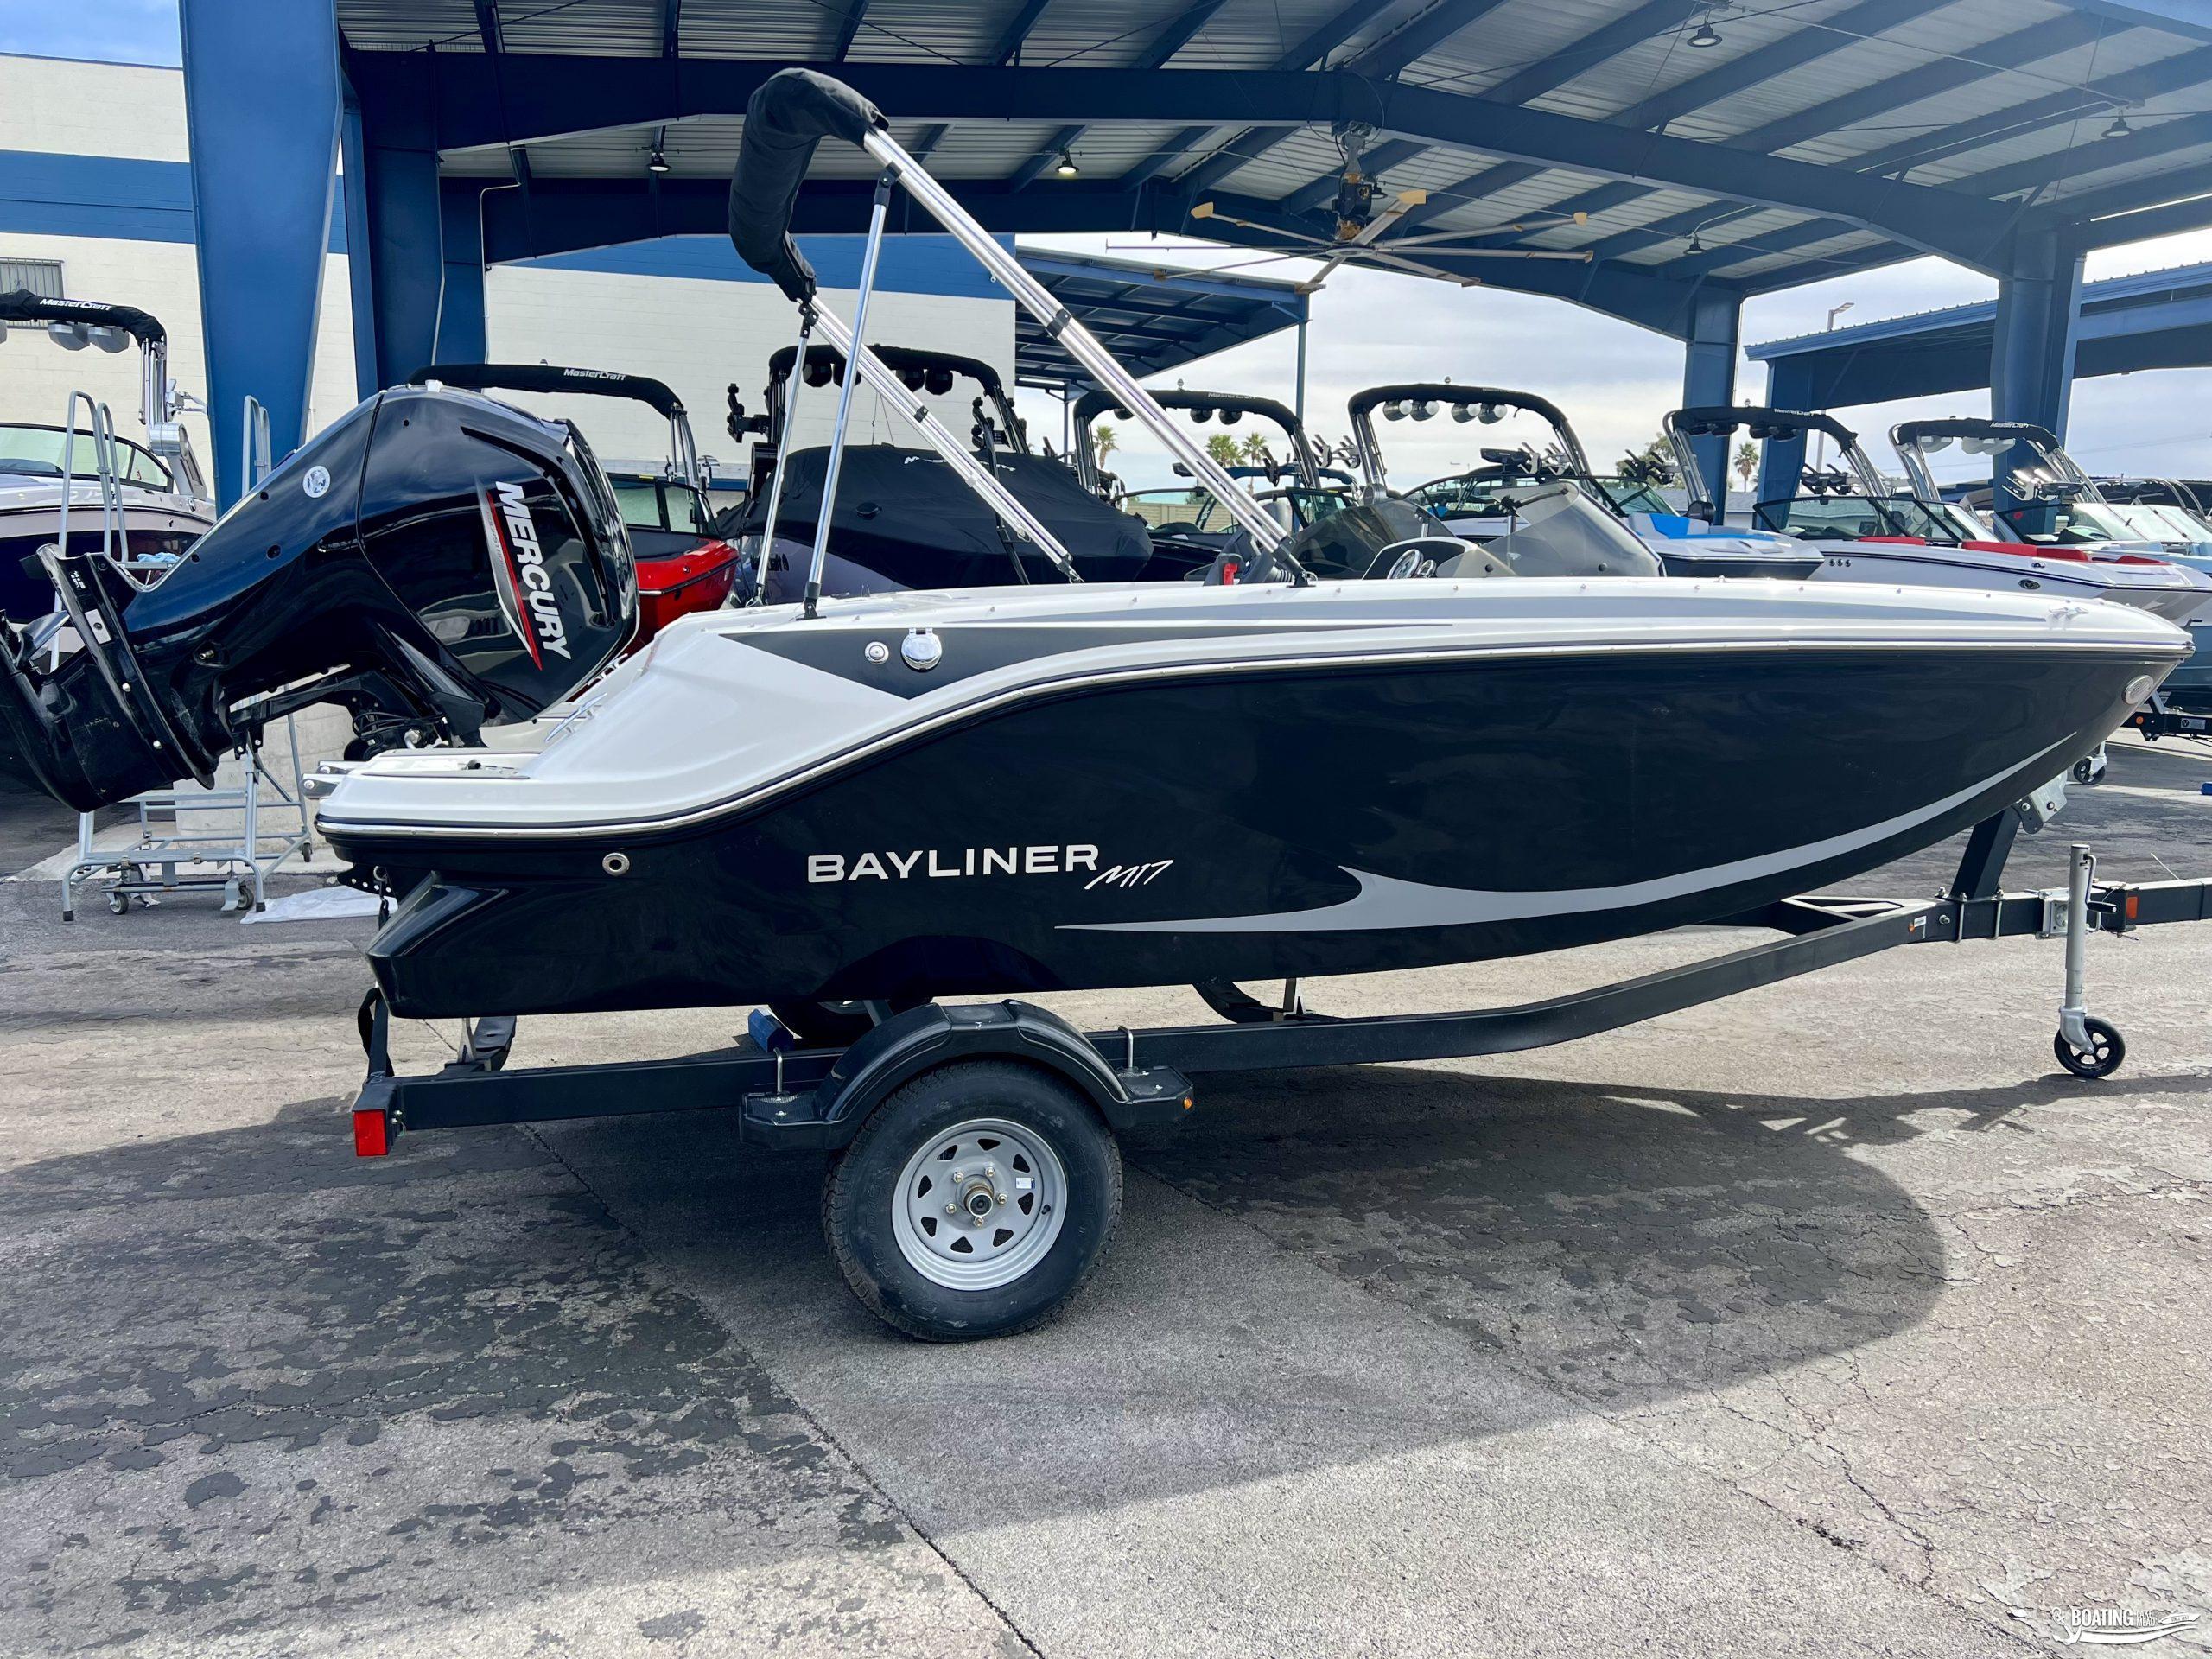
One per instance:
[(979, 1205)]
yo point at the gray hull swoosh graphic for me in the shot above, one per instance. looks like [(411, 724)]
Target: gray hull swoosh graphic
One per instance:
[(1384, 902)]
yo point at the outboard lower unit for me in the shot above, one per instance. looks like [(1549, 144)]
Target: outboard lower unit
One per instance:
[(434, 562)]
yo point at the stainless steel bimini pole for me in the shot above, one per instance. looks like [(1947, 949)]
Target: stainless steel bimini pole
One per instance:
[(1074, 337), (845, 392), (973, 473), (806, 318)]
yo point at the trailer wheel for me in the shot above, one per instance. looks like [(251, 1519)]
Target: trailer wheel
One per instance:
[(827, 1025), (2107, 1048), (974, 1202)]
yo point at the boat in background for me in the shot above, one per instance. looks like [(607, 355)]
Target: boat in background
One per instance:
[(2038, 496), (1190, 529), (1868, 531), (164, 502), (906, 517), (1487, 502)]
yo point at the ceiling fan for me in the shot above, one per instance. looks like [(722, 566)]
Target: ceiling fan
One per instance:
[(1361, 229)]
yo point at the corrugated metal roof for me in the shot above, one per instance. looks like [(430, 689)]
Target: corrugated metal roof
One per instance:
[(2033, 107)]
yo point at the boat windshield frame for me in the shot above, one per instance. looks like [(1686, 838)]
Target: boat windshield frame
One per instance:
[(167, 485)]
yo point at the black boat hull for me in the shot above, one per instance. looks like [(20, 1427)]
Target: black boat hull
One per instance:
[(1259, 824)]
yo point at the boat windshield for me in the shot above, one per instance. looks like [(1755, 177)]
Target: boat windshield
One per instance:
[(1556, 530), (2167, 523), (2078, 523), (1486, 493), (660, 504), (1856, 517), (35, 452), (1633, 495), (1196, 513)]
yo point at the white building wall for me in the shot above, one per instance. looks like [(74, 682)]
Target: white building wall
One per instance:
[(36, 376), (66, 108)]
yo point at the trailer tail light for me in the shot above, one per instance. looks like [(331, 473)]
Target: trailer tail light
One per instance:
[(371, 1139)]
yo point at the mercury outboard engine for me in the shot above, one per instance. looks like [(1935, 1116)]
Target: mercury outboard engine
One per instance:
[(434, 562)]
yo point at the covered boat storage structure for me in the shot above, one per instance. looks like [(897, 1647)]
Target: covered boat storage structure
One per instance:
[(1659, 160), (2158, 319)]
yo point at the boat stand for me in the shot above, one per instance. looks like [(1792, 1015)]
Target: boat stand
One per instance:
[(781, 1096), (170, 857)]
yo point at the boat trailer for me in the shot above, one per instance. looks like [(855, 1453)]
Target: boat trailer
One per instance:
[(782, 1096), (978, 1174)]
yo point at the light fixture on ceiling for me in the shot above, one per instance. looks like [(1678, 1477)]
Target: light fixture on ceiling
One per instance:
[(657, 163), (1707, 33), (2119, 128), (1697, 243), (1066, 168)]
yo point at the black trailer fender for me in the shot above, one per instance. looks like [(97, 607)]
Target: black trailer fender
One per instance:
[(921, 1040)]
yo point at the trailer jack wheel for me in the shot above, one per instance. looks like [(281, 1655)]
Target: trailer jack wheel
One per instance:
[(974, 1202), (2100, 1058)]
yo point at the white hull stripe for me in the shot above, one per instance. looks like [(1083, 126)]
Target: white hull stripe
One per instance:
[(1384, 903)]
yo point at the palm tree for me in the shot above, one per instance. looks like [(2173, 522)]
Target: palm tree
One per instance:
[(1104, 442), (1254, 448), (1222, 448), (1747, 461)]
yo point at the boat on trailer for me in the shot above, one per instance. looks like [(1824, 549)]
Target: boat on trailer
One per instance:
[(863, 805)]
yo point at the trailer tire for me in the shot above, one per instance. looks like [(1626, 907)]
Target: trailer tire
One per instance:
[(1017, 1243)]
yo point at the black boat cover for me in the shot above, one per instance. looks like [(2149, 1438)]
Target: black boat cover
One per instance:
[(21, 305), (793, 110), (908, 516), (544, 376)]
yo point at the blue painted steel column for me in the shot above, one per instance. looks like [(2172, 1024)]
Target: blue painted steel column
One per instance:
[(1709, 377), (461, 306), (406, 244), (1789, 385), (2031, 355), (360, 281), (261, 91)]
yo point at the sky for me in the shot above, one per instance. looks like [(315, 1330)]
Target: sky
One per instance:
[(1614, 380), (109, 31)]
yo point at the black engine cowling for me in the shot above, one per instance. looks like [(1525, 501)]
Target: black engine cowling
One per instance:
[(433, 558)]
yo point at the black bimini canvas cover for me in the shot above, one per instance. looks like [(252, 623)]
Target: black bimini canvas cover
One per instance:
[(908, 516), (545, 377), (21, 305)]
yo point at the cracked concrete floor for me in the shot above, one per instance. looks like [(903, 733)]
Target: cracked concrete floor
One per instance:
[(1830, 1320)]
